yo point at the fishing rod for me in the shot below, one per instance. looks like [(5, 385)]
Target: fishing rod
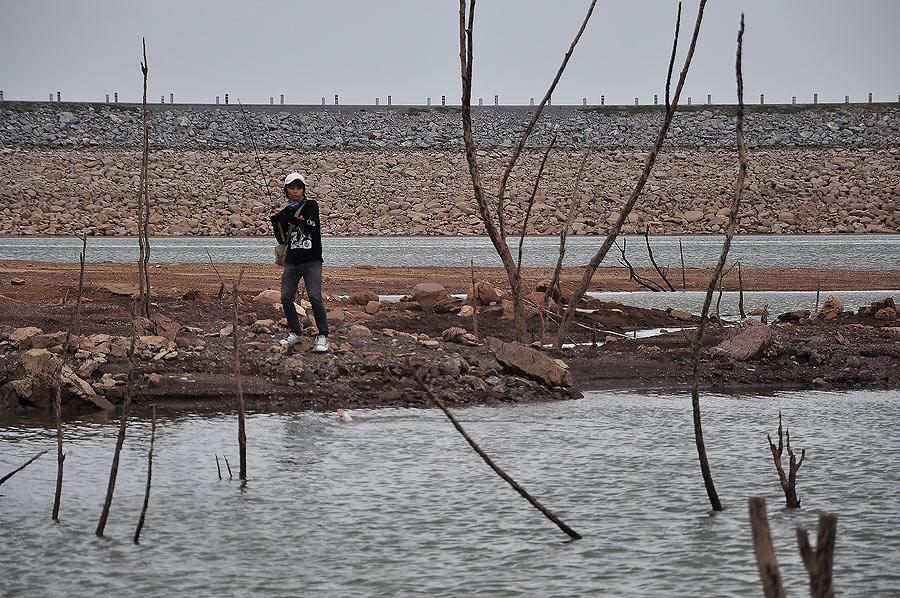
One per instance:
[(256, 152)]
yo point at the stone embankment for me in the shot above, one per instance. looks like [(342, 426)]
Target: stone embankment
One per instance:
[(72, 169)]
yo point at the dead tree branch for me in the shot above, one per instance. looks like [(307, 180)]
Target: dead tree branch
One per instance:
[(221, 281), (789, 481), (534, 502), (120, 439), (661, 273), (60, 455), (765, 553), (591, 269), (26, 464), (144, 206), (729, 233), (140, 525), (632, 274), (573, 205), (819, 563), (537, 181), (239, 393)]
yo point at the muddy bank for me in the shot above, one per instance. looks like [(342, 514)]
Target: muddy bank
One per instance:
[(185, 358)]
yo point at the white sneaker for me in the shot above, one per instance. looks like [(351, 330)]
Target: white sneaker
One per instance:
[(321, 345), (291, 340)]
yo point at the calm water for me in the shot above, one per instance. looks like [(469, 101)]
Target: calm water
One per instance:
[(397, 504), (855, 252)]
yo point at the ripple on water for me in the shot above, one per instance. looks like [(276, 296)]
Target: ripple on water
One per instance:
[(397, 503)]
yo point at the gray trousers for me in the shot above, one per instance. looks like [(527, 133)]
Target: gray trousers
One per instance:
[(311, 273)]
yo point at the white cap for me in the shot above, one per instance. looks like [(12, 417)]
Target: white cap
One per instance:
[(294, 176)]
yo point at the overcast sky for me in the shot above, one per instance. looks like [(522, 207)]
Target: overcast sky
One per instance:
[(362, 49)]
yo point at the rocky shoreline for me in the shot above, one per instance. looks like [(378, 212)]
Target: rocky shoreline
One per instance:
[(73, 169), (185, 351)]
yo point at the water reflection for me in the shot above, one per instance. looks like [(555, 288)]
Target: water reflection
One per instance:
[(397, 503)]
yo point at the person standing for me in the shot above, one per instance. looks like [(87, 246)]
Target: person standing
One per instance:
[(298, 225)]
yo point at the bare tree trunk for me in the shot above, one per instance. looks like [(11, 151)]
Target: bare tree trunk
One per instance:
[(239, 393), (120, 439), (789, 481), (594, 263), (23, 466), (681, 250), (729, 233), (144, 207), (765, 554), (534, 502), (819, 563), (497, 232), (140, 525), (60, 455), (741, 293)]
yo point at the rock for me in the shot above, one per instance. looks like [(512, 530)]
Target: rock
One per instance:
[(268, 297), (679, 314), (560, 294), (359, 334), (746, 341), (17, 281), (363, 297), (154, 343), (428, 294), (263, 327), (22, 335), (155, 380), (484, 293), (458, 335), (454, 365), (831, 309), (886, 314), (42, 367), (466, 311), (226, 331), (794, 316), (88, 367), (194, 295), (530, 362), (125, 290), (165, 327), (372, 307)]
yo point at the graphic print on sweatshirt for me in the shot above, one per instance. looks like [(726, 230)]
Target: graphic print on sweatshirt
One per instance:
[(300, 239)]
